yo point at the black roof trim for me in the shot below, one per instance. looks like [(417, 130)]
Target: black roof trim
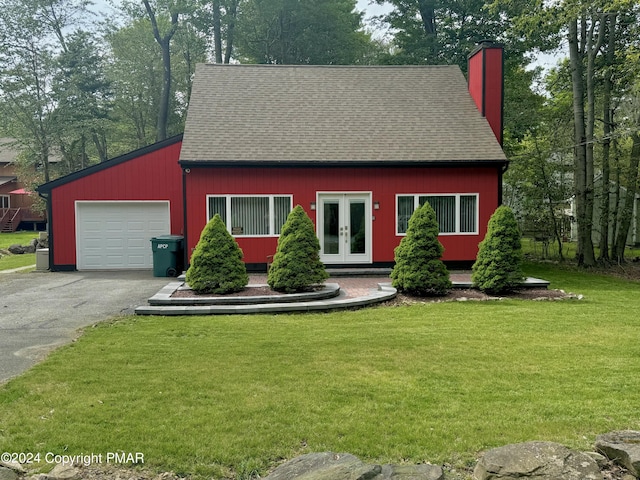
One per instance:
[(342, 163), (47, 187)]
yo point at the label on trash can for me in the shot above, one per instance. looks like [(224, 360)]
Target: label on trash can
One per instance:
[(163, 245)]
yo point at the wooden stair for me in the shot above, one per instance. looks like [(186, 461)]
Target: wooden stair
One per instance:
[(9, 219)]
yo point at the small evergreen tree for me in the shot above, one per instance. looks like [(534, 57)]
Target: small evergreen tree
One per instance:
[(418, 269), (216, 263), (498, 267), (296, 265)]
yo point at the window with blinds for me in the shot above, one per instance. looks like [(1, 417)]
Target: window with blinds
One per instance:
[(253, 216), (455, 213)]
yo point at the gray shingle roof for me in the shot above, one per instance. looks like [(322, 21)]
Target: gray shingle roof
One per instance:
[(250, 113)]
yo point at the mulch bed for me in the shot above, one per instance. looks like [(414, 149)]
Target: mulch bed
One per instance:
[(248, 291), (469, 294)]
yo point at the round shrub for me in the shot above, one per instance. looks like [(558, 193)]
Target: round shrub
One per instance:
[(216, 263), (418, 269), (498, 267), (296, 265)]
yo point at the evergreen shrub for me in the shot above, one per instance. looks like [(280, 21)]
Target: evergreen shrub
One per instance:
[(216, 263), (419, 269), (296, 265), (498, 268)]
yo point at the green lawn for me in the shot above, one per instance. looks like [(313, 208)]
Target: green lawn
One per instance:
[(15, 261), (229, 395)]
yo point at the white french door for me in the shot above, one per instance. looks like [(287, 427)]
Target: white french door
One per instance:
[(344, 227)]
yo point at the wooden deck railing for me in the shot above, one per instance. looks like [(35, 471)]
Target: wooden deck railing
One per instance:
[(10, 219)]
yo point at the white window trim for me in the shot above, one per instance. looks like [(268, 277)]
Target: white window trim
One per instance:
[(8, 201), (416, 203), (271, 211)]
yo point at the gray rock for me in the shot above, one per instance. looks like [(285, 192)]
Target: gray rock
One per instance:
[(325, 466), (29, 248), (16, 467), (7, 474), (539, 460), (622, 447), (344, 466), (63, 472), (600, 459), (16, 249), (411, 472)]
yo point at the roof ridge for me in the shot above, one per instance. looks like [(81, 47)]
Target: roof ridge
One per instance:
[(282, 66)]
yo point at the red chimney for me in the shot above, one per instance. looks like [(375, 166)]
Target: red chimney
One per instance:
[(486, 83)]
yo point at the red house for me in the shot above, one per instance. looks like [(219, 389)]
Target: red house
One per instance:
[(358, 147), (103, 217)]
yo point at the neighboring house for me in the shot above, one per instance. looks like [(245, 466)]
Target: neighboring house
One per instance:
[(358, 147), (15, 202)]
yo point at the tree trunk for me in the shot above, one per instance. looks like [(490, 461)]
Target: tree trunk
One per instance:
[(165, 46), (584, 254), (217, 31), (101, 145), (163, 110), (427, 12), (608, 128), (231, 27), (592, 51), (629, 199)]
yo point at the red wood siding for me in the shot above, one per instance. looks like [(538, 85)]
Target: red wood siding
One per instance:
[(383, 183), (476, 80), (152, 176), (486, 85), (493, 90)]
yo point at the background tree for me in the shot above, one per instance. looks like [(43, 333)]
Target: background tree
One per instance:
[(217, 19), (498, 267), (164, 19), (216, 263), (419, 269), (134, 70), (295, 32), (32, 34), (296, 265), (83, 95)]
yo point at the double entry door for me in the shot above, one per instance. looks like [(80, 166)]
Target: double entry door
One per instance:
[(344, 227)]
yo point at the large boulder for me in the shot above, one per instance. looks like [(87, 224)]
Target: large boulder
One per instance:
[(536, 460), (7, 474), (622, 447), (16, 249), (344, 466), (324, 466)]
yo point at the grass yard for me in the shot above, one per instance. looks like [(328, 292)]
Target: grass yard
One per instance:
[(8, 262), (232, 395)]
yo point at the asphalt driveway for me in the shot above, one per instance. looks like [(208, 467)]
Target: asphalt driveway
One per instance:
[(41, 311)]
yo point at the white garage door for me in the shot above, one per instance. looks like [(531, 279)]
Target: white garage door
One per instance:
[(117, 235)]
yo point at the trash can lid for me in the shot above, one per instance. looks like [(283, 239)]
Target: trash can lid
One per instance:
[(168, 237)]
